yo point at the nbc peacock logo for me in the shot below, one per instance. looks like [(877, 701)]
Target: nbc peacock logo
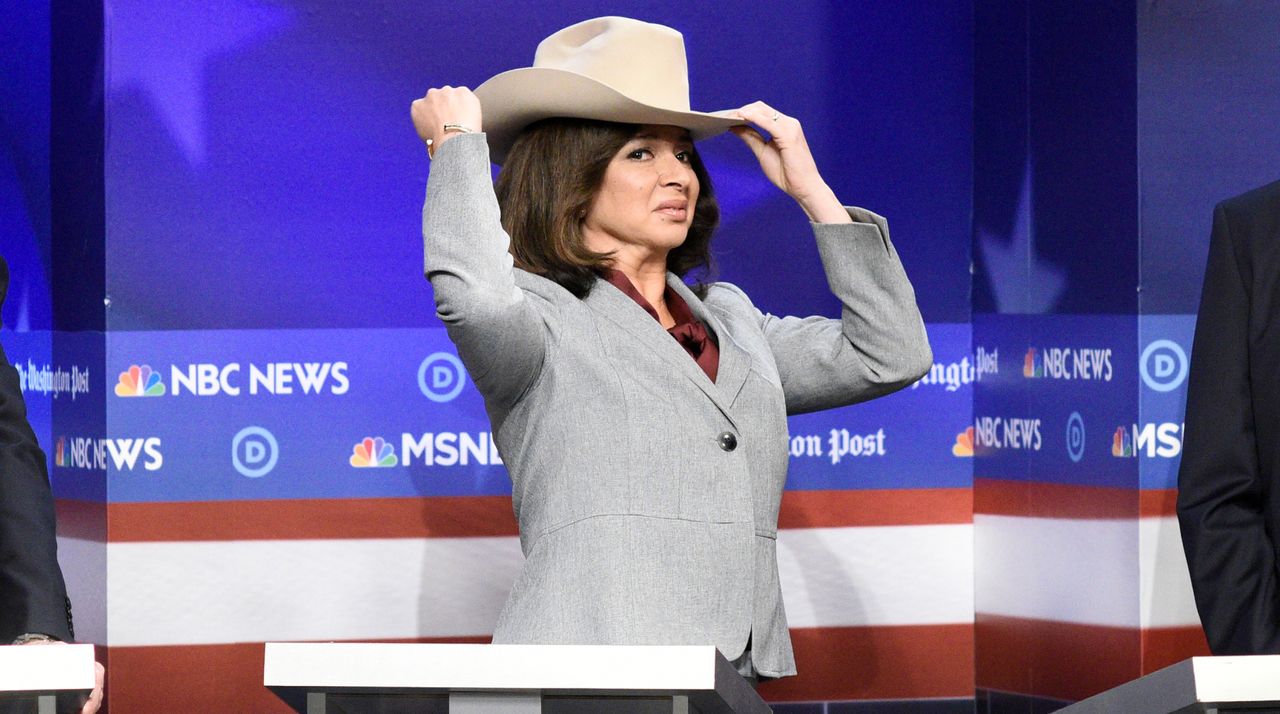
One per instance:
[(1032, 364), (373, 452), (1121, 443), (60, 452), (963, 448), (140, 381)]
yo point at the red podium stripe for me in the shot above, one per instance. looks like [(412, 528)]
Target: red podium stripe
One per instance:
[(1069, 661), (876, 507), (887, 662), (438, 517), (1158, 503), (84, 520), (451, 516), (198, 678), (1164, 646), (1000, 497)]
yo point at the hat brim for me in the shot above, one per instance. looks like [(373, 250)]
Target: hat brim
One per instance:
[(519, 97)]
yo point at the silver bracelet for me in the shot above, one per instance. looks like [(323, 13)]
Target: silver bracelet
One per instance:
[(448, 128), (28, 638)]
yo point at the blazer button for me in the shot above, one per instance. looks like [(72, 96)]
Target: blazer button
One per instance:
[(728, 441)]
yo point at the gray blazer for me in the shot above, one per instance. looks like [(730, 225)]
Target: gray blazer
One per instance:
[(647, 495)]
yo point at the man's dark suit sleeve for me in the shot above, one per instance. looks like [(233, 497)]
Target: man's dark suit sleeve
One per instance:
[(1220, 491), (33, 597)]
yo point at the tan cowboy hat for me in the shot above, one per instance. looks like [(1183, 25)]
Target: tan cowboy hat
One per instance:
[(610, 68)]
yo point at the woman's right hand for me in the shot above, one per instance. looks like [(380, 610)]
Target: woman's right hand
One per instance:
[(445, 105)]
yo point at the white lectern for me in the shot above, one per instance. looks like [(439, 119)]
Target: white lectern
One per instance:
[(1217, 685), (341, 678), (46, 675)]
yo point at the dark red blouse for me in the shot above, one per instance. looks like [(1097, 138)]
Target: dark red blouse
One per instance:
[(692, 335)]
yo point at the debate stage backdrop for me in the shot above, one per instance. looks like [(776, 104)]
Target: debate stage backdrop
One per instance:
[(1104, 135), (258, 431)]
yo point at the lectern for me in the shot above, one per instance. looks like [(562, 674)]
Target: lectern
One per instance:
[(53, 677), (1217, 685), (340, 678)]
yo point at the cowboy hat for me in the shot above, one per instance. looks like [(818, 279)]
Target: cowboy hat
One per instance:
[(609, 68)]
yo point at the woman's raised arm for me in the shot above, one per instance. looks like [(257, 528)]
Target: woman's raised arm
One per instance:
[(499, 334), (879, 343)]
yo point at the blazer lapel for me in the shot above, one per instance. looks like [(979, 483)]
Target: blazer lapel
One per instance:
[(735, 361), (610, 302)]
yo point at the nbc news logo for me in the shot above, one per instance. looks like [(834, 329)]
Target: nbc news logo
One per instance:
[(124, 454), (1070, 363)]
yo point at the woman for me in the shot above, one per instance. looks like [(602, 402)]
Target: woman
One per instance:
[(643, 422)]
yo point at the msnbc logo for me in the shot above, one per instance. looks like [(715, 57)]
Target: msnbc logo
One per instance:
[(1122, 442), (963, 447), (373, 452), (140, 382), (1032, 365), (1162, 440)]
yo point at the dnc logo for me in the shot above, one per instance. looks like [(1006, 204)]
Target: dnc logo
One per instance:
[(441, 377), (140, 382), (373, 452), (1163, 365)]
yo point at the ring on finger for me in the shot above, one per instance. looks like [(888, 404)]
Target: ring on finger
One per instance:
[(776, 115)]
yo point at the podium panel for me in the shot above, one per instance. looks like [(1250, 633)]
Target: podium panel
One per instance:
[(47, 678), (356, 678), (1217, 685)]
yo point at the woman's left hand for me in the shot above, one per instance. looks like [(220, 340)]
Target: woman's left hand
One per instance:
[(788, 163)]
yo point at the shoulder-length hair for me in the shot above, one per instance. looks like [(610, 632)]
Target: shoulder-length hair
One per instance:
[(551, 177)]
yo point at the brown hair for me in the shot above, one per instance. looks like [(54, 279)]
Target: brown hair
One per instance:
[(551, 176)]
